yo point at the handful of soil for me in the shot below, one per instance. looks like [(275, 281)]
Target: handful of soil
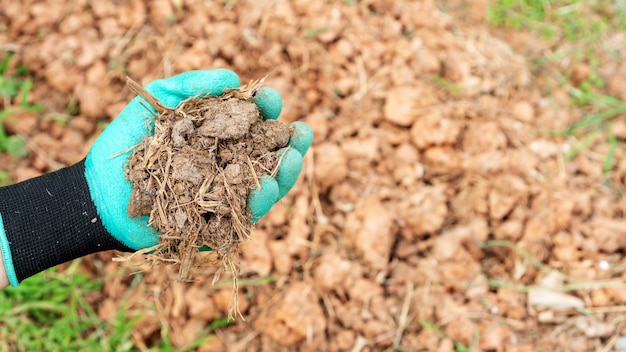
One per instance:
[(194, 174)]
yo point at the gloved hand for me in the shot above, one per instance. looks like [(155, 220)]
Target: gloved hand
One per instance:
[(81, 209), (106, 161)]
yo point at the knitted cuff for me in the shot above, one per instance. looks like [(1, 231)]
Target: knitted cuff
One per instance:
[(50, 220)]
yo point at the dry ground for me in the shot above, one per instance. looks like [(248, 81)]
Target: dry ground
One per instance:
[(432, 204)]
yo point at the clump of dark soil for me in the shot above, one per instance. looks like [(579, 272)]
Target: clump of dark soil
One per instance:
[(195, 173)]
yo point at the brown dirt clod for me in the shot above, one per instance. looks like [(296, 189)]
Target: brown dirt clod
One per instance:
[(194, 174)]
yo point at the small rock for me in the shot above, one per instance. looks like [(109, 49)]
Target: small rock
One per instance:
[(610, 234), (523, 111), (425, 210), (474, 140), (460, 329), (544, 148), (616, 85), (620, 344), (619, 129), (402, 104), (331, 165), (580, 73), (552, 299), (369, 230), (294, 317), (434, 127), (594, 328)]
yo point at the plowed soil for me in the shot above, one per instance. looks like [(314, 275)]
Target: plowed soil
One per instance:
[(434, 208)]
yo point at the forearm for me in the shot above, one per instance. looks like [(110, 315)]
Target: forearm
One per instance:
[(49, 220)]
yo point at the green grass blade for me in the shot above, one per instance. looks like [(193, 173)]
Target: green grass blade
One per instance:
[(595, 119), (608, 160), (581, 145), (5, 62)]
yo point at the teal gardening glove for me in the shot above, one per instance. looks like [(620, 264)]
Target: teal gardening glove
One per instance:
[(97, 189), (105, 175)]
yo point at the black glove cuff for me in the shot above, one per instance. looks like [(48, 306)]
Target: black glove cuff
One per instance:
[(51, 219)]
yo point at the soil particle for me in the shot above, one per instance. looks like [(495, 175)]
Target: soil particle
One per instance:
[(230, 119)]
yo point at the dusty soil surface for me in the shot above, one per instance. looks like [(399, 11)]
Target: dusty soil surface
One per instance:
[(434, 208)]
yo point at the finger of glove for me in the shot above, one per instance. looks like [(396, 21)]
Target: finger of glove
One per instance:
[(289, 169), (288, 172), (170, 91), (269, 102), (301, 138), (262, 199)]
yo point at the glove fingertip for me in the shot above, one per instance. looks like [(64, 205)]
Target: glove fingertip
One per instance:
[(216, 81), (261, 200), (289, 171), (302, 137), (269, 102), (170, 91)]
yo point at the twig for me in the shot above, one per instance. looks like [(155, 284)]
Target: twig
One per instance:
[(246, 92), (402, 321), (256, 178), (147, 96), (277, 167), (610, 343), (127, 150), (315, 196), (10, 47), (127, 258), (362, 74), (359, 344)]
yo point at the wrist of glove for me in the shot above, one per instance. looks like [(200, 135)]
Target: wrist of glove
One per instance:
[(82, 209), (49, 220)]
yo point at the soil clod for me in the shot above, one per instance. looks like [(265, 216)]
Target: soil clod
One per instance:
[(193, 175)]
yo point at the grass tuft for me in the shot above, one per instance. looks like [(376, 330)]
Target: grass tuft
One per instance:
[(577, 32), (15, 88), (49, 312)]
